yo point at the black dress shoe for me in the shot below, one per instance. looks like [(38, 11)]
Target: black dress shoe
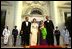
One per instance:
[(5, 44)]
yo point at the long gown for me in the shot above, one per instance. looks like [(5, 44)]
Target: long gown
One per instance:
[(6, 34), (65, 35), (43, 36), (34, 31)]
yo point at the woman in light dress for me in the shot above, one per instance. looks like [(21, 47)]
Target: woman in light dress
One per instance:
[(34, 31), (65, 35), (6, 34)]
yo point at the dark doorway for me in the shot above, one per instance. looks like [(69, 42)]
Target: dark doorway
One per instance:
[(3, 17), (36, 11), (68, 21)]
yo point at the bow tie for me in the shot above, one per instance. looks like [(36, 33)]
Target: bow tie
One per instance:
[(47, 21)]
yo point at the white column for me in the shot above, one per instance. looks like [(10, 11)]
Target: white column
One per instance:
[(54, 12), (18, 14)]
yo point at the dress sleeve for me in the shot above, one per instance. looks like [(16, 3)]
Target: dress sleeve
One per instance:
[(68, 33), (3, 32)]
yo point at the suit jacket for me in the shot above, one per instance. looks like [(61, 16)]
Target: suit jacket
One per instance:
[(57, 32), (15, 32), (49, 26), (24, 28)]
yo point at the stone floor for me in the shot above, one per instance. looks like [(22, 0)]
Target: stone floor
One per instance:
[(11, 47)]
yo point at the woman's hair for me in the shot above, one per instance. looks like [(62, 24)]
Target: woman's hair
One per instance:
[(33, 19), (41, 22)]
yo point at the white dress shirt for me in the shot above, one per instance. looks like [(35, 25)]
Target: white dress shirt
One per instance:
[(48, 21), (26, 23)]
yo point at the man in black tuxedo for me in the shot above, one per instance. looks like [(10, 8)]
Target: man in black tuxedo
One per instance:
[(25, 29), (49, 27), (15, 34)]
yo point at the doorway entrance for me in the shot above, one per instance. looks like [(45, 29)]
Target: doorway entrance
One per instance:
[(3, 17), (68, 21)]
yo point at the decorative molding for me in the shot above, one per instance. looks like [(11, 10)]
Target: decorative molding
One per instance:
[(34, 2), (5, 3), (37, 10), (64, 7), (67, 3)]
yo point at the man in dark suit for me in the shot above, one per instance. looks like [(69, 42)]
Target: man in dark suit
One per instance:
[(15, 33), (57, 35), (25, 28), (49, 27)]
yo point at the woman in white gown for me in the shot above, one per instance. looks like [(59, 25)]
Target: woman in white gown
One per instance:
[(34, 31), (65, 35), (6, 34)]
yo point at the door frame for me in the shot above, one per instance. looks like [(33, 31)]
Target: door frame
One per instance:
[(3, 16)]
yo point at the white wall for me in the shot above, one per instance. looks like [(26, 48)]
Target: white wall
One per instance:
[(9, 16)]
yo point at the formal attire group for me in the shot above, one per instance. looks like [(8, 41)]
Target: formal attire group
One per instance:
[(33, 34), (30, 33)]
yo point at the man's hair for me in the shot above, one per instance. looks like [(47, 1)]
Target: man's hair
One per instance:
[(26, 17), (56, 26), (15, 26)]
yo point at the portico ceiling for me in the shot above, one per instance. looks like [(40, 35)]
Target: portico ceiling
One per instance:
[(64, 3)]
